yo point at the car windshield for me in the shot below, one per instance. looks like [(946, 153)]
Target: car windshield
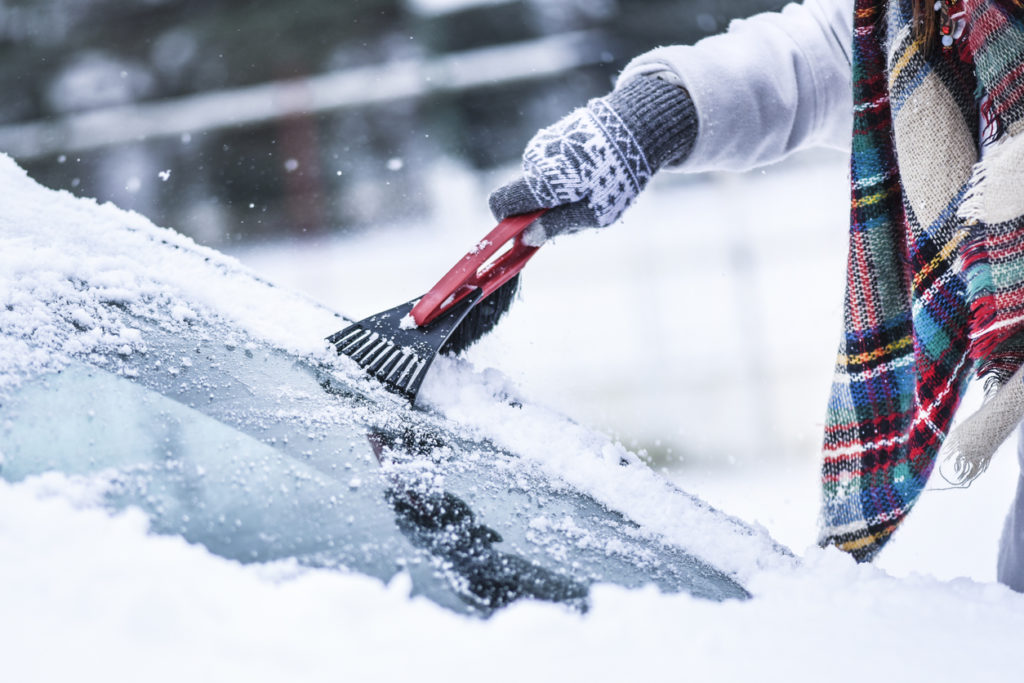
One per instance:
[(166, 377), (259, 455)]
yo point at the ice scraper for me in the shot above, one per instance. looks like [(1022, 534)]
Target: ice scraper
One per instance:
[(398, 345)]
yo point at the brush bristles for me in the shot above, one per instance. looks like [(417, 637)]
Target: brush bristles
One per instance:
[(394, 365)]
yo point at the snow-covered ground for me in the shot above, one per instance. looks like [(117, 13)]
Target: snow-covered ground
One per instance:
[(90, 598), (658, 311)]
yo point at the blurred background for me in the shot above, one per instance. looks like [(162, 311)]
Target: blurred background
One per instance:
[(267, 118), (346, 149)]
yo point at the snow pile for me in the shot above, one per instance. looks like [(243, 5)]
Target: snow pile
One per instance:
[(68, 281), (594, 463), (101, 600)]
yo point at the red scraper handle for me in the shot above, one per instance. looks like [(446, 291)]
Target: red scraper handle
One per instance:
[(487, 267)]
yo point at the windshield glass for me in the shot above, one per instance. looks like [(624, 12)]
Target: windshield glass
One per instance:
[(259, 456)]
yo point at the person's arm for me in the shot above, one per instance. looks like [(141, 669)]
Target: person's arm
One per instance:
[(770, 85)]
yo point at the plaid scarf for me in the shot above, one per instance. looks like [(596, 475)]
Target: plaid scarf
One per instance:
[(935, 275)]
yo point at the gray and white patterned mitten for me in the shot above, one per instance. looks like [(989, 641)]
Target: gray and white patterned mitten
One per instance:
[(588, 167)]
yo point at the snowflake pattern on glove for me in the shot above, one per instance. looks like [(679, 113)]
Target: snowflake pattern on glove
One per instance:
[(590, 156)]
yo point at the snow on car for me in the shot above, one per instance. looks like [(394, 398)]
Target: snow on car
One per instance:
[(188, 470)]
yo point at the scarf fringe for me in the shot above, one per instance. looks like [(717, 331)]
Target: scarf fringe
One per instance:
[(989, 328), (972, 208), (968, 450)]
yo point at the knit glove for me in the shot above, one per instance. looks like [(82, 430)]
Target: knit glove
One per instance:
[(588, 167)]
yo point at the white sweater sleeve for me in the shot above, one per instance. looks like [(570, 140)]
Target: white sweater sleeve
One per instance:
[(772, 84)]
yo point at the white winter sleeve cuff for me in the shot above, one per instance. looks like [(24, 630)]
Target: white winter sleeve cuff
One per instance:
[(770, 85)]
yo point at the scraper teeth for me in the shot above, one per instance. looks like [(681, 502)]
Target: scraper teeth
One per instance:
[(399, 369), (340, 339), (394, 353), (412, 372), (352, 341), (380, 354), (387, 362), (367, 348)]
